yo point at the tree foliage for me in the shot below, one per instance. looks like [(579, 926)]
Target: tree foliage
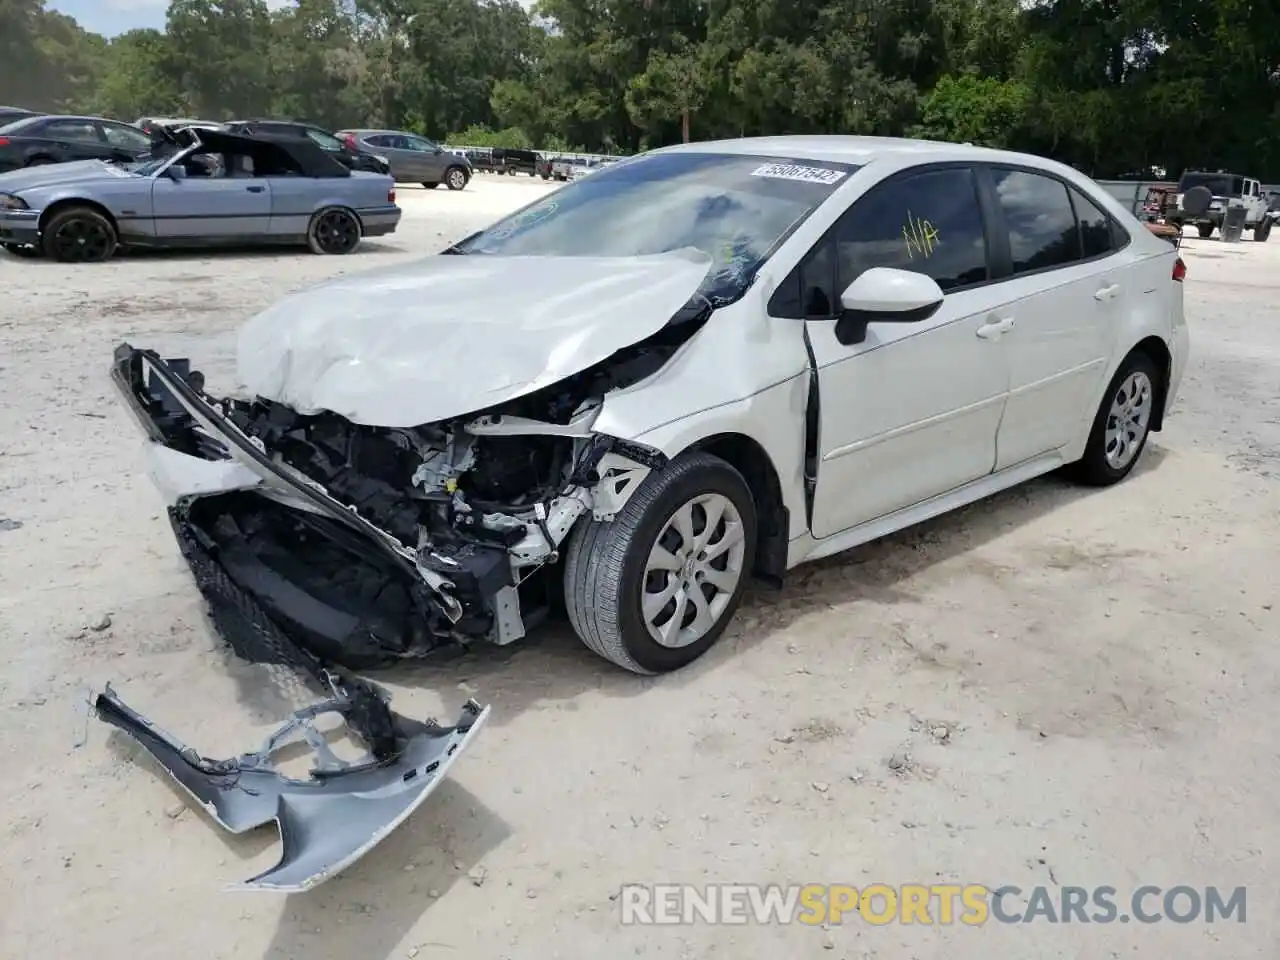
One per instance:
[(1110, 86)]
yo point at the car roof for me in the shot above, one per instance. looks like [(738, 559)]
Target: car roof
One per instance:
[(836, 148)]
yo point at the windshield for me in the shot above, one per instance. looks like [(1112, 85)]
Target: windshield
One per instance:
[(735, 208), (16, 125), (1219, 184), (147, 167)]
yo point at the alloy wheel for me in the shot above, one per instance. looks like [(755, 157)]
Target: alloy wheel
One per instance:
[(693, 570)]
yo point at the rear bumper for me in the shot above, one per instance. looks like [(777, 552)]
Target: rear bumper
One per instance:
[(19, 226), (380, 221)]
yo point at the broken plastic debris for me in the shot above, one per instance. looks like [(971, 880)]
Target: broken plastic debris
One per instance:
[(343, 810)]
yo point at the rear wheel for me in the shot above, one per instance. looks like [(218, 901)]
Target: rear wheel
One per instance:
[(39, 161), (334, 230), (1121, 425), (1262, 231), (78, 235), (655, 587), (1205, 230)]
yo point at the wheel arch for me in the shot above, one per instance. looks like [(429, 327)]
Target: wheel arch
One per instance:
[(66, 202), (750, 459), (1159, 353)]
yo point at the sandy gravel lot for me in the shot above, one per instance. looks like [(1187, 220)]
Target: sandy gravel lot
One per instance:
[(1103, 665)]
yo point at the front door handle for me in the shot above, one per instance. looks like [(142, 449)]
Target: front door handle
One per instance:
[(255, 189), (995, 328), (1107, 293)]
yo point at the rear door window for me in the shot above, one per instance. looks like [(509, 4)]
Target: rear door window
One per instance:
[(76, 131), (1042, 226), (1099, 235)]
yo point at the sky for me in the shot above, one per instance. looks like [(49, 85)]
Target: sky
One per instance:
[(109, 17)]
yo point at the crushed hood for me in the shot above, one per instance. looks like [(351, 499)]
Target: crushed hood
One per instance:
[(56, 174), (451, 335)]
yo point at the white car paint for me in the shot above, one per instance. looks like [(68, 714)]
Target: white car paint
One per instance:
[(999, 384), (920, 418), (448, 335)]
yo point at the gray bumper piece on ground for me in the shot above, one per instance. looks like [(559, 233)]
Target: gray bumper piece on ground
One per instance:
[(328, 822)]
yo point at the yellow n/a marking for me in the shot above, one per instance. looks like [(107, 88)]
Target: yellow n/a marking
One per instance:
[(921, 237)]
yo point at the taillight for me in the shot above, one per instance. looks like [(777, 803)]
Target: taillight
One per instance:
[(1179, 270), (4, 141), (351, 140), (391, 198)]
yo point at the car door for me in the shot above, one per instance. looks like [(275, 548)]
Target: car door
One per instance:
[(430, 158), (1065, 306), (912, 411), (233, 204), (74, 138)]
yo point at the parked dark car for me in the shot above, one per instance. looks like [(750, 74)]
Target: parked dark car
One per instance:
[(480, 158), (352, 159), (413, 159), (506, 160), (57, 139), (10, 114)]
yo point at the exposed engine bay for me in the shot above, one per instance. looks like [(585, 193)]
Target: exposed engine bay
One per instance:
[(368, 544)]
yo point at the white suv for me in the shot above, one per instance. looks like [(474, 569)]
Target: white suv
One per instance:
[(710, 361)]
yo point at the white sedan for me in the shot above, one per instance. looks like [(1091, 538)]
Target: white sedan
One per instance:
[(708, 362)]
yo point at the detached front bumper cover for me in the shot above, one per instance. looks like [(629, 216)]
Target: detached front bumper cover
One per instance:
[(331, 820)]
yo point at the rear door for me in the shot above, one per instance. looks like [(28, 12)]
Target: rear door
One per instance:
[(70, 138), (1067, 283)]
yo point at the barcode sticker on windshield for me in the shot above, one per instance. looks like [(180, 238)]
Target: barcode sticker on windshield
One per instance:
[(795, 171)]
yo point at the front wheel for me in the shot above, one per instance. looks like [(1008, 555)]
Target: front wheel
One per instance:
[(455, 178), (1205, 230), (655, 587), (333, 231), (1262, 231), (78, 235), (1121, 425)]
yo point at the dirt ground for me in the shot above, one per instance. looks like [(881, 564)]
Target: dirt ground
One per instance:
[(1075, 687)]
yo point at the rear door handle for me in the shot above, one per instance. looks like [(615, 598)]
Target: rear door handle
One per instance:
[(256, 189), (995, 328), (1107, 293)]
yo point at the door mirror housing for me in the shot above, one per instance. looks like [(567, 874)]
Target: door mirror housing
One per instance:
[(176, 171), (885, 295)]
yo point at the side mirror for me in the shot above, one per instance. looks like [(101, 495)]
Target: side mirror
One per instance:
[(176, 171), (885, 295), (438, 150)]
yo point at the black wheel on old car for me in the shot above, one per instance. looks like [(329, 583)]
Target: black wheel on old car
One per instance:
[(333, 231), (79, 235)]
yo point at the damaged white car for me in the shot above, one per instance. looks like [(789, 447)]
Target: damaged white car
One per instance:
[(707, 362)]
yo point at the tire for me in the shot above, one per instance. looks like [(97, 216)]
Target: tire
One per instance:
[(1099, 467), (39, 161), (606, 577), (455, 178), (1205, 230), (333, 231), (431, 186), (78, 235), (1262, 231)]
